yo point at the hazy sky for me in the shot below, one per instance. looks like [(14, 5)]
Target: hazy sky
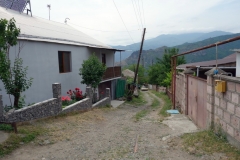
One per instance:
[(159, 17)]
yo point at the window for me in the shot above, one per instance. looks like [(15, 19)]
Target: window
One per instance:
[(64, 61), (104, 58)]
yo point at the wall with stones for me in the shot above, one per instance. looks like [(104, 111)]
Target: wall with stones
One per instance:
[(105, 101), (43, 109), (82, 105), (181, 89), (224, 108)]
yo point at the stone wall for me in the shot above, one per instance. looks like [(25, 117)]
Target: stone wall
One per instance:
[(181, 91), (51, 107), (224, 108), (43, 109), (105, 101), (83, 105)]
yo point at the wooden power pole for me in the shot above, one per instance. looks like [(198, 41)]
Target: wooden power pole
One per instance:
[(139, 57)]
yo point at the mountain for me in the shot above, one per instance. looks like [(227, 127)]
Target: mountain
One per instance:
[(150, 56), (167, 40)]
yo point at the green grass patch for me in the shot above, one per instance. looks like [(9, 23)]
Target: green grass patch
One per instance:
[(6, 127), (26, 134), (167, 103), (155, 104), (209, 142), (141, 114), (140, 100)]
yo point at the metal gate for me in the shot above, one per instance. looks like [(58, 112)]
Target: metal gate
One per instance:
[(197, 100), (120, 89)]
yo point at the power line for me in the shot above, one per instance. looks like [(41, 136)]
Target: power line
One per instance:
[(139, 14), (123, 21), (136, 14), (143, 15)]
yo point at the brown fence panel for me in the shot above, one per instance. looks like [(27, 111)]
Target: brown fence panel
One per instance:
[(197, 100)]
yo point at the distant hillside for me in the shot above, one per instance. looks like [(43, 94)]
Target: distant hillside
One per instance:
[(150, 56), (167, 40)]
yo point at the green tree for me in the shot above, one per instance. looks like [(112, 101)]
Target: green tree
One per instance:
[(14, 78), (92, 72), (141, 73), (159, 72)]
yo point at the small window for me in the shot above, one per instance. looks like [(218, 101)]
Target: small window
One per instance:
[(64, 61), (104, 58)]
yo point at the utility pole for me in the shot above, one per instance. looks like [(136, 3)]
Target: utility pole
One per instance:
[(139, 57), (49, 8)]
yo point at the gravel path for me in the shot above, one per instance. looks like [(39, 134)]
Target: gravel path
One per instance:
[(106, 134)]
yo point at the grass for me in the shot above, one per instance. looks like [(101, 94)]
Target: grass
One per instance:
[(26, 134), (141, 114), (208, 142), (167, 103), (155, 104), (6, 127), (137, 100)]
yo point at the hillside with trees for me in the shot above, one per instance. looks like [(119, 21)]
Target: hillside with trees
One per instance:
[(149, 57)]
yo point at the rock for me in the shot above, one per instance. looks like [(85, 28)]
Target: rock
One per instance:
[(21, 143), (46, 142)]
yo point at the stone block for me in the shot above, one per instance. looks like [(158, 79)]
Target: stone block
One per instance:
[(108, 92), (230, 107), (237, 135), (235, 121), (209, 80), (238, 88), (230, 130), (237, 111), (231, 86), (209, 107), (217, 101), (226, 117), (227, 95), (223, 103), (223, 125), (56, 89), (220, 112), (235, 98), (209, 90)]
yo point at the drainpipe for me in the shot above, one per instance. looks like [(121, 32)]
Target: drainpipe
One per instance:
[(238, 64)]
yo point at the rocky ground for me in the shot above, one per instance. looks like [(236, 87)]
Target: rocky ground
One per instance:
[(109, 133)]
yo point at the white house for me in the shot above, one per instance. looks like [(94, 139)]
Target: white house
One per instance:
[(54, 53)]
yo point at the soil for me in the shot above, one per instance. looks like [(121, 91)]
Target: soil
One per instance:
[(107, 133)]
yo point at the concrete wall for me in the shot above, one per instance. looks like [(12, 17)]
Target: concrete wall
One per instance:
[(224, 108), (181, 89), (105, 101), (42, 61)]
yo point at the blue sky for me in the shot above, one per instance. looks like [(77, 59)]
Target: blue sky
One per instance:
[(160, 17)]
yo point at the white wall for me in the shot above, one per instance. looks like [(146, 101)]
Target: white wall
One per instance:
[(42, 61), (109, 55)]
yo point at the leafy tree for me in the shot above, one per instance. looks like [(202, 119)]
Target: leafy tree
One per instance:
[(14, 78), (159, 72), (141, 73), (92, 72)]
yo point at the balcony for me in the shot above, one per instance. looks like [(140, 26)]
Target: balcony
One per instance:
[(112, 72)]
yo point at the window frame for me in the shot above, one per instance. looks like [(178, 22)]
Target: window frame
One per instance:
[(104, 60), (63, 68)]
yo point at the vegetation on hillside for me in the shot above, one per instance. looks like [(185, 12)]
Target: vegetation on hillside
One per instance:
[(151, 55), (159, 73)]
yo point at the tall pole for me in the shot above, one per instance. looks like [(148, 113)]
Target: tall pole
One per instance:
[(49, 8), (139, 57)]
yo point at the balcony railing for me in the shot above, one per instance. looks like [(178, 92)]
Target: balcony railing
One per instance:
[(112, 72)]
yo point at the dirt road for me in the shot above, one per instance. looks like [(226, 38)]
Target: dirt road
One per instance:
[(106, 134)]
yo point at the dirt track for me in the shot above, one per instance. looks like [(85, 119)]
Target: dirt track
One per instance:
[(106, 134)]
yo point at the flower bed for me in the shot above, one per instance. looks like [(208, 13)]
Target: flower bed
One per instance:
[(73, 97)]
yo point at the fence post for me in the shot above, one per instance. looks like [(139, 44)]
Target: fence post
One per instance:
[(56, 89), (108, 93), (1, 107), (89, 93)]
